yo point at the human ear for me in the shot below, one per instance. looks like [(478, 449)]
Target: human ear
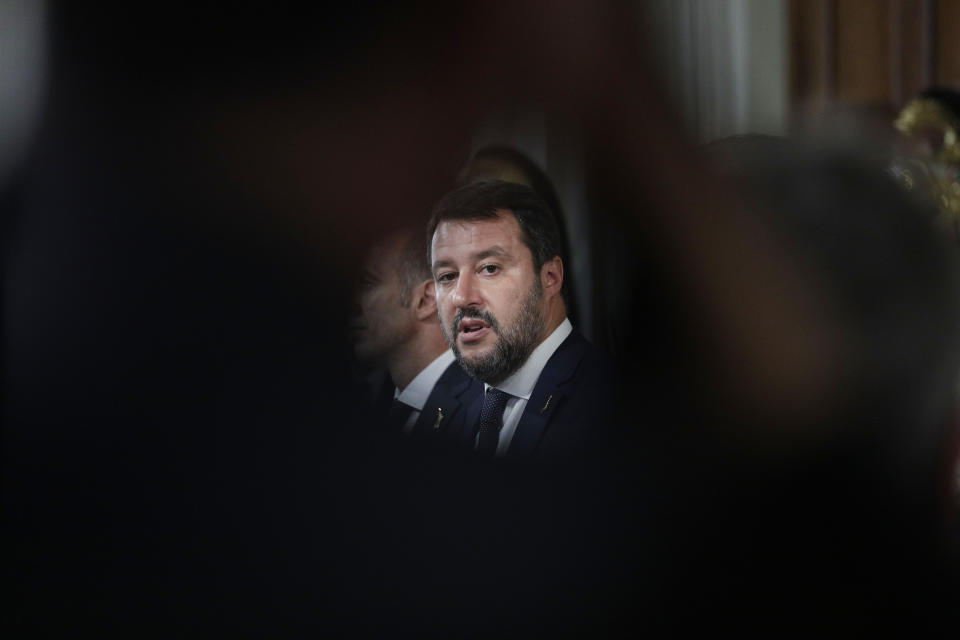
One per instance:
[(551, 276), (426, 300)]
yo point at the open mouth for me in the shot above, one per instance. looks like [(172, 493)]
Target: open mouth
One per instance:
[(473, 329)]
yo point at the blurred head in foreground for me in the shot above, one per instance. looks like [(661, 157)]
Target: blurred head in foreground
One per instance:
[(888, 283)]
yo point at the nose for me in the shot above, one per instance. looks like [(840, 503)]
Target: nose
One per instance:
[(466, 293), (356, 306), (356, 302)]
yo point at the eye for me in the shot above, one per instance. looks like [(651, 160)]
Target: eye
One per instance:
[(446, 277), (489, 269)]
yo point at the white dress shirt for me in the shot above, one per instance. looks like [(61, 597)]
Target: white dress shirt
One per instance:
[(416, 393), (520, 385)]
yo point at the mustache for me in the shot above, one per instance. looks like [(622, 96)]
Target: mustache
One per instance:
[(470, 312)]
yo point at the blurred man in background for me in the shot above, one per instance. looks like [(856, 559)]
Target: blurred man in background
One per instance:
[(397, 328)]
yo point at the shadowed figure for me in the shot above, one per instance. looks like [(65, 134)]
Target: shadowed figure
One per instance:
[(396, 329), (184, 450)]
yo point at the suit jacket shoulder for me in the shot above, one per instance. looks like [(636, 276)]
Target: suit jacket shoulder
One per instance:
[(444, 413), (572, 399)]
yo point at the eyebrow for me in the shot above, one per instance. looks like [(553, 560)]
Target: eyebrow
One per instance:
[(495, 250)]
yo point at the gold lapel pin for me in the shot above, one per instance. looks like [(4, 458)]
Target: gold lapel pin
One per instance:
[(436, 425), (547, 403)]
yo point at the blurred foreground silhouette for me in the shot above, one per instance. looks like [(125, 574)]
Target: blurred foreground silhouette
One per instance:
[(183, 449)]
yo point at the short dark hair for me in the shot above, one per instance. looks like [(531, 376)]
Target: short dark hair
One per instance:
[(483, 199)]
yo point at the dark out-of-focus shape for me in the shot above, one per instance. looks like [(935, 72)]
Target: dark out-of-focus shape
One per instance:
[(183, 451)]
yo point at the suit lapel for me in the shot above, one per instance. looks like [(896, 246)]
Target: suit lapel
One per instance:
[(536, 416), (437, 414), (471, 421), (548, 394), (441, 412), (470, 394)]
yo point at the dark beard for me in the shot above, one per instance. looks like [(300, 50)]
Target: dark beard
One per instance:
[(513, 346)]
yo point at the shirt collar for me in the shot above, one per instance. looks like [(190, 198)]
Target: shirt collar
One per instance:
[(416, 393), (521, 383)]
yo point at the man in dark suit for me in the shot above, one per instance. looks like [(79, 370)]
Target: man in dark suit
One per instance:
[(396, 327), (497, 264)]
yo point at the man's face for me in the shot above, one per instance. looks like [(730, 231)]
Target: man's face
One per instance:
[(489, 299), (381, 324)]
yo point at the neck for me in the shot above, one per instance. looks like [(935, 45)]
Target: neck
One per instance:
[(415, 355)]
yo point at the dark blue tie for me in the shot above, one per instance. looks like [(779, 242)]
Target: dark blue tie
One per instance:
[(491, 420)]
